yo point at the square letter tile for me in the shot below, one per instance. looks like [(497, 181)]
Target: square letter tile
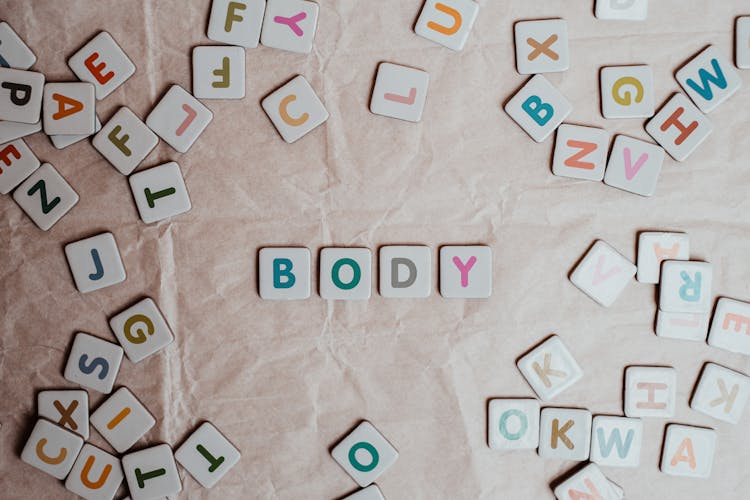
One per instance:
[(588, 482), (62, 141), (294, 109), (69, 108), (622, 10), (219, 72), (550, 368), (730, 327), (654, 248), (96, 475), (17, 162), (709, 79), (688, 451), (14, 130), (151, 473), (365, 454), (372, 492), (679, 127), (580, 152), (102, 63), (616, 441), (14, 53), (634, 166), (45, 196), (650, 391), (179, 118), (513, 424), (69, 409), (721, 393), (542, 46), (742, 42), (683, 326), (21, 95), (207, 455), (122, 420), (405, 271), (466, 272), (290, 25), (160, 192), (538, 108), (141, 330), (345, 273), (284, 273), (236, 22), (447, 22), (51, 449), (603, 273), (399, 92), (685, 286), (93, 363), (125, 141), (95, 262), (565, 433), (627, 91)]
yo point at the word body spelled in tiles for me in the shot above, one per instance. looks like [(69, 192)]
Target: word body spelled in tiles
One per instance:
[(603, 273), (405, 271), (721, 393), (69, 108), (45, 196), (622, 10), (538, 108), (122, 420), (542, 46), (372, 492), (616, 441), (683, 326), (125, 141), (654, 248), (51, 449), (580, 152), (96, 475), (742, 42), (21, 95), (685, 286), (102, 63), (679, 127), (466, 272), (179, 118), (151, 473), (627, 91), (93, 363), (588, 483), (688, 451), (290, 25), (141, 330), (17, 162), (207, 455), (650, 391), (236, 22), (730, 327), (709, 79), (62, 141), (634, 165), (284, 273), (565, 433), (345, 273), (295, 109), (160, 192), (365, 454), (399, 92), (14, 53), (95, 262), (447, 22), (219, 72), (67, 408), (550, 368), (513, 424)]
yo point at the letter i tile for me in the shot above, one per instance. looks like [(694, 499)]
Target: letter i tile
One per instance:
[(122, 420), (207, 455)]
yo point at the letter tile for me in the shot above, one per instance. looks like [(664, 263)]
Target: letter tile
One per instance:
[(399, 92), (679, 127), (372, 492), (45, 196), (365, 454), (603, 273), (580, 152), (627, 91), (103, 63), (634, 166), (17, 162), (294, 109), (405, 271), (95, 262), (219, 72), (236, 22), (69, 109), (538, 108), (447, 22), (160, 192), (688, 451), (125, 141), (51, 449), (290, 25), (466, 272), (96, 475), (141, 330), (345, 273), (14, 53), (565, 433), (93, 363), (122, 420), (21, 95), (650, 391), (542, 46), (68, 408), (685, 286), (622, 10), (513, 424), (10, 131), (656, 247), (207, 455), (742, 42), (549, 368), (62, 141), (709, 79), (589, 483), (616, 441), (730, 327), (284, 273), (179, 118), (721, 393), (151, 473), (683, 326)]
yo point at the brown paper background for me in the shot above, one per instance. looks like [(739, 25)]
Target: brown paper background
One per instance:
[(285, 381)]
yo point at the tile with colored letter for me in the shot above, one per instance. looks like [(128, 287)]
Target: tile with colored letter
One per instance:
[(294, 109), (160, 192), (580, 152), (218, 72), (538, 108), (372, 492), (125, 141), (650, 391), (122, 420), (721, 393), (62, 141), (742, 42), (405, 271), (45, 196), (542, 46), (96, 475), (207, 455), (709, 79), (103, 63), (603, 273), (14, 130), (588, 482), (51, 449), (69, 108), (447, 22), (21, 95), (627, 91), (95, 262), (565, 433), (236, 22), (679, 127), (466, 272), (345, 273), (93, 363), (141, 330), (654, 248), (616, 441), (549, 368), (634, 165), (151, 473), (179, 118), (688, 451), (399, 92), (513, 424), (66, 408), (365, 454), (284, 273), (730, 327), (290, 25), (14, 53), (685, 286), (683, 326), (17, 162), (622, 10)]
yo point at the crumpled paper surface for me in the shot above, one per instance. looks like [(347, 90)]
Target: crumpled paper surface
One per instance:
[(285, 381)]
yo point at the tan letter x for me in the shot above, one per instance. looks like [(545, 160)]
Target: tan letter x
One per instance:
[(543, 48)]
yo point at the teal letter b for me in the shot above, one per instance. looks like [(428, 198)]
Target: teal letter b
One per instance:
[(282, 268), (539, 111)]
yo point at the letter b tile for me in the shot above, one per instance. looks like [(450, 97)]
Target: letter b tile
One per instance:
[(284, 273), (538, 108)]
